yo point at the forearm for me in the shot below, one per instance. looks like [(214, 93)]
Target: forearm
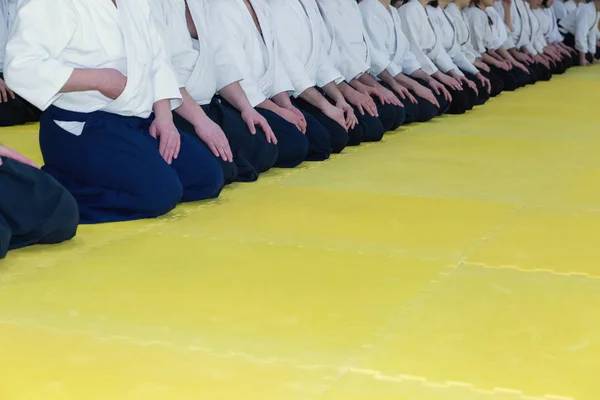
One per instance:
[(235, 95), (506, 55), (386, 77), (269, 105), (312, 96), (82, 80), (407, 81), (494, 54), (333, 92), (487, 58), (190, 110), (162, 109), (368, 80), (420, 74), (282, 100)]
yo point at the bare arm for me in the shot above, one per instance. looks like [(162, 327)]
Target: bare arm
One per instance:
[(235, 95), (312, 96)]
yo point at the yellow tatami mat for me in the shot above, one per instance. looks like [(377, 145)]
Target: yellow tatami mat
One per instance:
[(456, 260)]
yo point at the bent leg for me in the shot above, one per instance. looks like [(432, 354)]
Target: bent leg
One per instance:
[(338, 135), (34, 207), (292, 145), (111, 165)]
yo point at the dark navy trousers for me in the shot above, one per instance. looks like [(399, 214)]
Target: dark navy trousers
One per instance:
[(252, 154), (34, 208), (113, 168)]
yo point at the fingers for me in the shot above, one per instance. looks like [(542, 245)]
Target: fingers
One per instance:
[(431, 98), (412, 99), (264, 125), (251, 126), (436, 89), (164, 148), (177, 147), (11, 93), (447, 94), (225, 149), (3, 95), (372, 108), (381, 98), (360, 109)]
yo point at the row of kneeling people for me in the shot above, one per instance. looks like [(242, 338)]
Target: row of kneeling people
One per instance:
[(148, 103)]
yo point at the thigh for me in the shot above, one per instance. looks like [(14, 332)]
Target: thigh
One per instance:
[(391, 116), (372, 127), (459, 103), (198, 171), (509, 82), (230, 170), (253, 154), (292, 145), (338, 134), (423, 111), (320, 139)]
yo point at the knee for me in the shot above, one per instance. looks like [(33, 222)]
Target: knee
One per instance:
[(427, 111), (293, 149), (340, 140), (268, 156), (160, 196), (319, 140), (356, 135), (66, 217), (372, 127), (400, 114), (388, 116), (230, 171), (208, 184)]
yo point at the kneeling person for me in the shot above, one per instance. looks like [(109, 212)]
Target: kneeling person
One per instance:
[(107, 133), (243, 143)]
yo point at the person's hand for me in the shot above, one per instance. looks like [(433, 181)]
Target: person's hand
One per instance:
[(112, 83), (427, 94), (252, 118), (469, 83), (292, 118), (336, 114), (373, 93), (482, 65), (5, 92), (300, 117), (12, 154), (364, 103), (214, 137), (542, 61), (404, 93), (349, 117), (440, 89), (451, 82), (504, 65), (522, 67), (485, 82), (390, 97), (168, 138)]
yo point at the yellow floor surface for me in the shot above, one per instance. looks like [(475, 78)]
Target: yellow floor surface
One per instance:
[(456, 260)]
